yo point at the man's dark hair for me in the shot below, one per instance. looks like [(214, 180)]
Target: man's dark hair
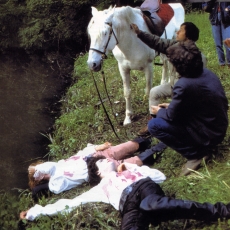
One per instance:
[(186, 58), (191, 31), (94, 178)]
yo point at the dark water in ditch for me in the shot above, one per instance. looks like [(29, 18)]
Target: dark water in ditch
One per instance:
[(29, 89)]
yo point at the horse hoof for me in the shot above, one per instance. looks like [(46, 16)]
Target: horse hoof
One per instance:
[(127, 121)]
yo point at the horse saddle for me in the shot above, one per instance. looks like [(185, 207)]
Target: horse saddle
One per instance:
[(156, 15)]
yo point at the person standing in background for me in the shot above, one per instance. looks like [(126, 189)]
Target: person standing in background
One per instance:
[(220, 21)]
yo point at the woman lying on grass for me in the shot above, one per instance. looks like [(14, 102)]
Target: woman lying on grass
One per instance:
[(133, 190), (69, 173)]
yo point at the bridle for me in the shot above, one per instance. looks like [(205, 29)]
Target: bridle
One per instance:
[(103, 53)]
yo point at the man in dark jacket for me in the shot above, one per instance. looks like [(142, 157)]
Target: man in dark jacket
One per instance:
[(196, 120), (220, 21), (187, 31)]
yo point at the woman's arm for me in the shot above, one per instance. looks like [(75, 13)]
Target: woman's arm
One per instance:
[(63, 206), (154, 174), (46, 168), (75, 173)]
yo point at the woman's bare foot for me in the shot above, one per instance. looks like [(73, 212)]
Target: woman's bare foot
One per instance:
[(104, 146)]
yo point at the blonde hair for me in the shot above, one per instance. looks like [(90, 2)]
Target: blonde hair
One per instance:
[(32, 182)]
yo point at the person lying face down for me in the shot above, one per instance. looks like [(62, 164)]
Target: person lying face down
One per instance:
[(69, 173), (135, 192)]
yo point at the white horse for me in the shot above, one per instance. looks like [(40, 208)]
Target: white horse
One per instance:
[(109, 30)]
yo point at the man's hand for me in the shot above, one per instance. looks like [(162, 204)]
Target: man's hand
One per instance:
[(164, 105), (135, 28), (227, 42), (154, 109), (23, 215)]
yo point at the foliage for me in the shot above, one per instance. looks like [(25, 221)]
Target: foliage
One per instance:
[(11, 16), (83, 120), (10, 208), (34, 25), (64, 26)]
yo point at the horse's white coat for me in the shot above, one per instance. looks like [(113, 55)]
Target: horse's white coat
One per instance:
[(130, 52)]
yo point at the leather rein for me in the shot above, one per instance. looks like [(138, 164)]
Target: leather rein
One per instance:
[(103, 53)]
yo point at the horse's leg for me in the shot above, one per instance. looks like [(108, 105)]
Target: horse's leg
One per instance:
[(125, 74)]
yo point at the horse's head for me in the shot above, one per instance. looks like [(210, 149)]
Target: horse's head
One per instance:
[(102, 36)]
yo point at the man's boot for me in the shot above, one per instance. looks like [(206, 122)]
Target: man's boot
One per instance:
[(165, 208), (193, 164), (144, 131)]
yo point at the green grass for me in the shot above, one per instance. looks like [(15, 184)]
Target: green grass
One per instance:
[(83, 120)]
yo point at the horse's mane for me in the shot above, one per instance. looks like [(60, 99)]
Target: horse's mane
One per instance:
[(127, 14), (124, 16)]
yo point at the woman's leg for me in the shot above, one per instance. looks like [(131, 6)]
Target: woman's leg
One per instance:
[(121, 151), (134, 160)]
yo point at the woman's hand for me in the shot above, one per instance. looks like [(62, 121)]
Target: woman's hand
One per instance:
[(121, 168), (23, 215), (104, 146)]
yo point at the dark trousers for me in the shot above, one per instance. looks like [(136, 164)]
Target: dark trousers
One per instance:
[(146, 204), (132, 216), (177, 138)]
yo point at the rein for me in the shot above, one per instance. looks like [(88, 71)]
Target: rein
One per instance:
[(104, 56), (107, 115), (103, 53), (103, 76)]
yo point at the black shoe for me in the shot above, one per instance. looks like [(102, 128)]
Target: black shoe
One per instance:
[(147, 157), (144, 143)]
